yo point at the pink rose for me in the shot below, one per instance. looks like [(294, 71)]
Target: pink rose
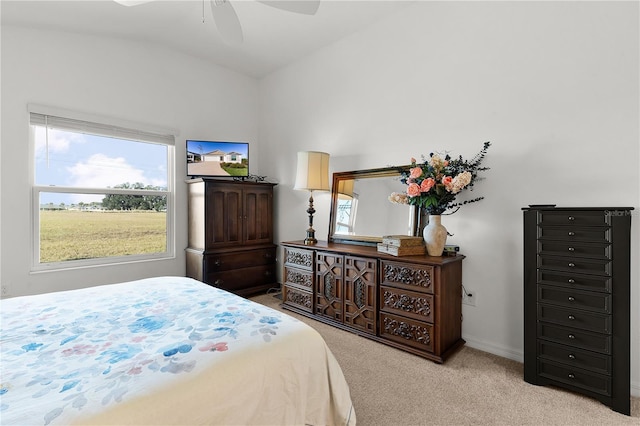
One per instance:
[(446, 181), (413, 160), (413, 190), (427, 184), (415, 172)]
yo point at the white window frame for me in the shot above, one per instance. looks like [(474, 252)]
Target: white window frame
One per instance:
[(102, 126)]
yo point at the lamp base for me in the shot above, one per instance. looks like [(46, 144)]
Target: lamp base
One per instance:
[(311, 237)]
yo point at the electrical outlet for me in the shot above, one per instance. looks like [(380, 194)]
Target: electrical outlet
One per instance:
[(6, 289), (469, 297)]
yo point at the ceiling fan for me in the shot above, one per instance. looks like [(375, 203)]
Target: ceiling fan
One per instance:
[(227, 20)]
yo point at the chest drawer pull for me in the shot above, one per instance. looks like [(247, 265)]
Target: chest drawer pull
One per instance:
[(572, 281), (572, 249), (571, 234), (571, 336), (218, 282), (571, 376), (571, 218), (572, 356), (571, 317), (571, 299), (571, 265)]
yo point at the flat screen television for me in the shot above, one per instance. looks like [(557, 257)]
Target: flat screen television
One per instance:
[(217, 159)]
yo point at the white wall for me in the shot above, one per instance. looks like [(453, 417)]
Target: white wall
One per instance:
[(139, 83), (553, 86)]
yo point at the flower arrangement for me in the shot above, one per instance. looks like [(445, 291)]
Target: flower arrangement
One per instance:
[(434, 184)]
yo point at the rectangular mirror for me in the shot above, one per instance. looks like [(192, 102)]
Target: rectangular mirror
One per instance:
[(361, 212)]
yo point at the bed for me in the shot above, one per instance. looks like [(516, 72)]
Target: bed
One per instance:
[(167, 350)]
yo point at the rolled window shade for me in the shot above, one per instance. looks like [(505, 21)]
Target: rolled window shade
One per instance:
[(81, 126)]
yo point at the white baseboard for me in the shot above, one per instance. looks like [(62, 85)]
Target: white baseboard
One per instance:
[(519, 356)]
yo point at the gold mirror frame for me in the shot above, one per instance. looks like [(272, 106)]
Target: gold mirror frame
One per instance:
[(343, 183)]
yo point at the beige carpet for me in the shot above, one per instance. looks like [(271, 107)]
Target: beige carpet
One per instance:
[(392, 388)]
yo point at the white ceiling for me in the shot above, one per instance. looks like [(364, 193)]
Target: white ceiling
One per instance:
[(273, 38)]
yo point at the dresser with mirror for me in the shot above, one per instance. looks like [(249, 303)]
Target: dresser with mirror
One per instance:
[(412, 303)]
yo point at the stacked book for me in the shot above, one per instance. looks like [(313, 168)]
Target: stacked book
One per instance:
[(402, 245)]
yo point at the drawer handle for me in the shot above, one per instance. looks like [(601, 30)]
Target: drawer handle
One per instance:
[(571, 218), (571, 317), (572, 281), (571, 376), (572, 336), (217, 262), (571, 299), (572, 249), (571, 233), (267, 255), (218, 282), (267, 273), (571, 264), (572, 356)]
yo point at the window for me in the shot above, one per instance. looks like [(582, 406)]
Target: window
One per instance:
[(101, 193), (346, 213)]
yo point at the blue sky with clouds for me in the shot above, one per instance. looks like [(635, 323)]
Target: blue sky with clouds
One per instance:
[(79, 160)]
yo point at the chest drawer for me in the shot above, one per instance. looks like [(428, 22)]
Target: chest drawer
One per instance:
[(574, 218), (576, 377), (300, 258), (409, 276), (569, 298), (244, 259), (573, 357), (408, 303), (576, 338), (298, 278), (574, 249), (299, 298), (578, 265), (238, 279), (577, 281), (406, 331), (575, 318), (576, 233)]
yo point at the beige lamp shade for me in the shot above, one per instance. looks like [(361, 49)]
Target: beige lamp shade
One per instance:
[(313, 171), (345, 188)]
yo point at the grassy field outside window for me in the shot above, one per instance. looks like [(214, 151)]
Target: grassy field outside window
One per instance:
[(74, 235)]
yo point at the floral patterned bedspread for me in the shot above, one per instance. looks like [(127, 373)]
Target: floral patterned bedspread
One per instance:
[(73, 354)]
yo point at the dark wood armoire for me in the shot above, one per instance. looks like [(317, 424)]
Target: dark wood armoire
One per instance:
[(231, 235)]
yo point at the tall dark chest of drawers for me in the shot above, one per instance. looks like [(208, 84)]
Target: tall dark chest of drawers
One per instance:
[(577, 301)]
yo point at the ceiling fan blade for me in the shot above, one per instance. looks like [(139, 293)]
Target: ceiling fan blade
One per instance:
[(227, 21), (306, 7), (132, 2)]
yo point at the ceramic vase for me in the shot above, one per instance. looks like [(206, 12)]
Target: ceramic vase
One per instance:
[(435, 236)]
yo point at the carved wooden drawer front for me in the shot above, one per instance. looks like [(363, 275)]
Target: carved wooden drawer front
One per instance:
[(295, 277), (412, 277), (418, 306), (299, 258), (300, 299), (409, 332)]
